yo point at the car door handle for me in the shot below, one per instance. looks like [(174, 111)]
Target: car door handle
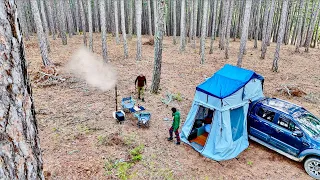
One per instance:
[(278, 130)]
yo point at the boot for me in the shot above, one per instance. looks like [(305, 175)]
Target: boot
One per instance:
[(177, 143), (170, 139), (142, 99)]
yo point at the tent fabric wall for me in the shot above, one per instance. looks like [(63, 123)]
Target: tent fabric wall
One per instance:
[(228, 136)]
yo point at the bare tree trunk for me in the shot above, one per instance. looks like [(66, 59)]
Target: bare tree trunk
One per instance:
[(317, 34), (289, 21), (174, 22), (195, 21), (41, 37), (83, 23), (313, 21), (304, 24), (138, 25), (257, 25), (90, 26), (231, 2), (204, 31), (20, 153), (155, 13), (280, 35), (123, 29), (50, 17), (244, 34), (96, 16), (299, 25), (23, 20), (69, 18), (224, 24), (149, 17), (77, 16), (266, 39), (158, 48), (265, 23), (103, 31), (191, 20), (45, 24), (130, 19), (62, 23), (213, 33), (116, 21), (183, 26)]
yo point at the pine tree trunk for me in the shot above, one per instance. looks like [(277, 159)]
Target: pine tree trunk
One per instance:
[(83, 23), (244, 33), (213, 33), (41, 36), (317, 34), (96, 15), (304, 24), (265, 23), (191, 20), (183, 26), (69, 18), (116, 21), (257, 25), (62, 22), (231, 2), (149, 17), (174, 22), (45, 24), (313, 21), (270, 23), (204, 31), (130, 18), (280, 34), (299, 25), (158, 48), (90, 25), (195, 21), (77, 16), (123, 29), (103, 31), (224, 24), (51, 21), (20, 153), (155, 13), (138, 25), (23, 20), (266, 39), (289, 21)]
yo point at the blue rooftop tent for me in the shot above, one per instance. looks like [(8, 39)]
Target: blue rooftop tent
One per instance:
[(228, 94)]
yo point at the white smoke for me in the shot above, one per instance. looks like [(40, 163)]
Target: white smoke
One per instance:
[(96, 73)]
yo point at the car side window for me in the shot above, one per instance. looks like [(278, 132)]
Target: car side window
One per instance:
[(293, 127), (266, 114), (284, 122)]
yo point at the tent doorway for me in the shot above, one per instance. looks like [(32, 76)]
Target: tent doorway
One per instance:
[(201, 127)]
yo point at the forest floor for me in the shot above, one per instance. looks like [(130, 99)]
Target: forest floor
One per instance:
[(81, 140)]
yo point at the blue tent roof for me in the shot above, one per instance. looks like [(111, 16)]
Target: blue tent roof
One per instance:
[(227, 81)]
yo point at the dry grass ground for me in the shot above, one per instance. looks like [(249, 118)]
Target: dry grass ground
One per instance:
[(78, 134)]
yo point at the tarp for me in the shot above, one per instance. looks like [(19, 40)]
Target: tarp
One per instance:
[(228, 92), (227, 81)]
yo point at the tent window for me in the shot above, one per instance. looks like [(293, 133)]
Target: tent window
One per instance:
[(237, 123)]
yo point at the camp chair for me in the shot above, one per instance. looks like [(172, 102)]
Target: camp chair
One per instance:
[(127, 103), (143, 118)]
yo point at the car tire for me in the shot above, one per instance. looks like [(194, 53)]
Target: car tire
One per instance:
[(312, 167)]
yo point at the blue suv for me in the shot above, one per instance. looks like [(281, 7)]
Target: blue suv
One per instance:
[(287, 129)]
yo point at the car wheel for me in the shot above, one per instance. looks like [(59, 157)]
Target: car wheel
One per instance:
[(312, 167)]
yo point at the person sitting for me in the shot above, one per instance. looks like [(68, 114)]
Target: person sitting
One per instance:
[(208, 121)]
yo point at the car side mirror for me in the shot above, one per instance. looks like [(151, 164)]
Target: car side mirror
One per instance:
[(297, 133)]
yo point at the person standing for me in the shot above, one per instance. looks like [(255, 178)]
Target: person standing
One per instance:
[(140, 82), (175, 125)]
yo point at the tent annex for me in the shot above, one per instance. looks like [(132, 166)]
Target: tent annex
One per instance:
[(216, 125)]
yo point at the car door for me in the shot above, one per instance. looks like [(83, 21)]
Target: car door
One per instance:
[(260, 123), (283, 137)]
